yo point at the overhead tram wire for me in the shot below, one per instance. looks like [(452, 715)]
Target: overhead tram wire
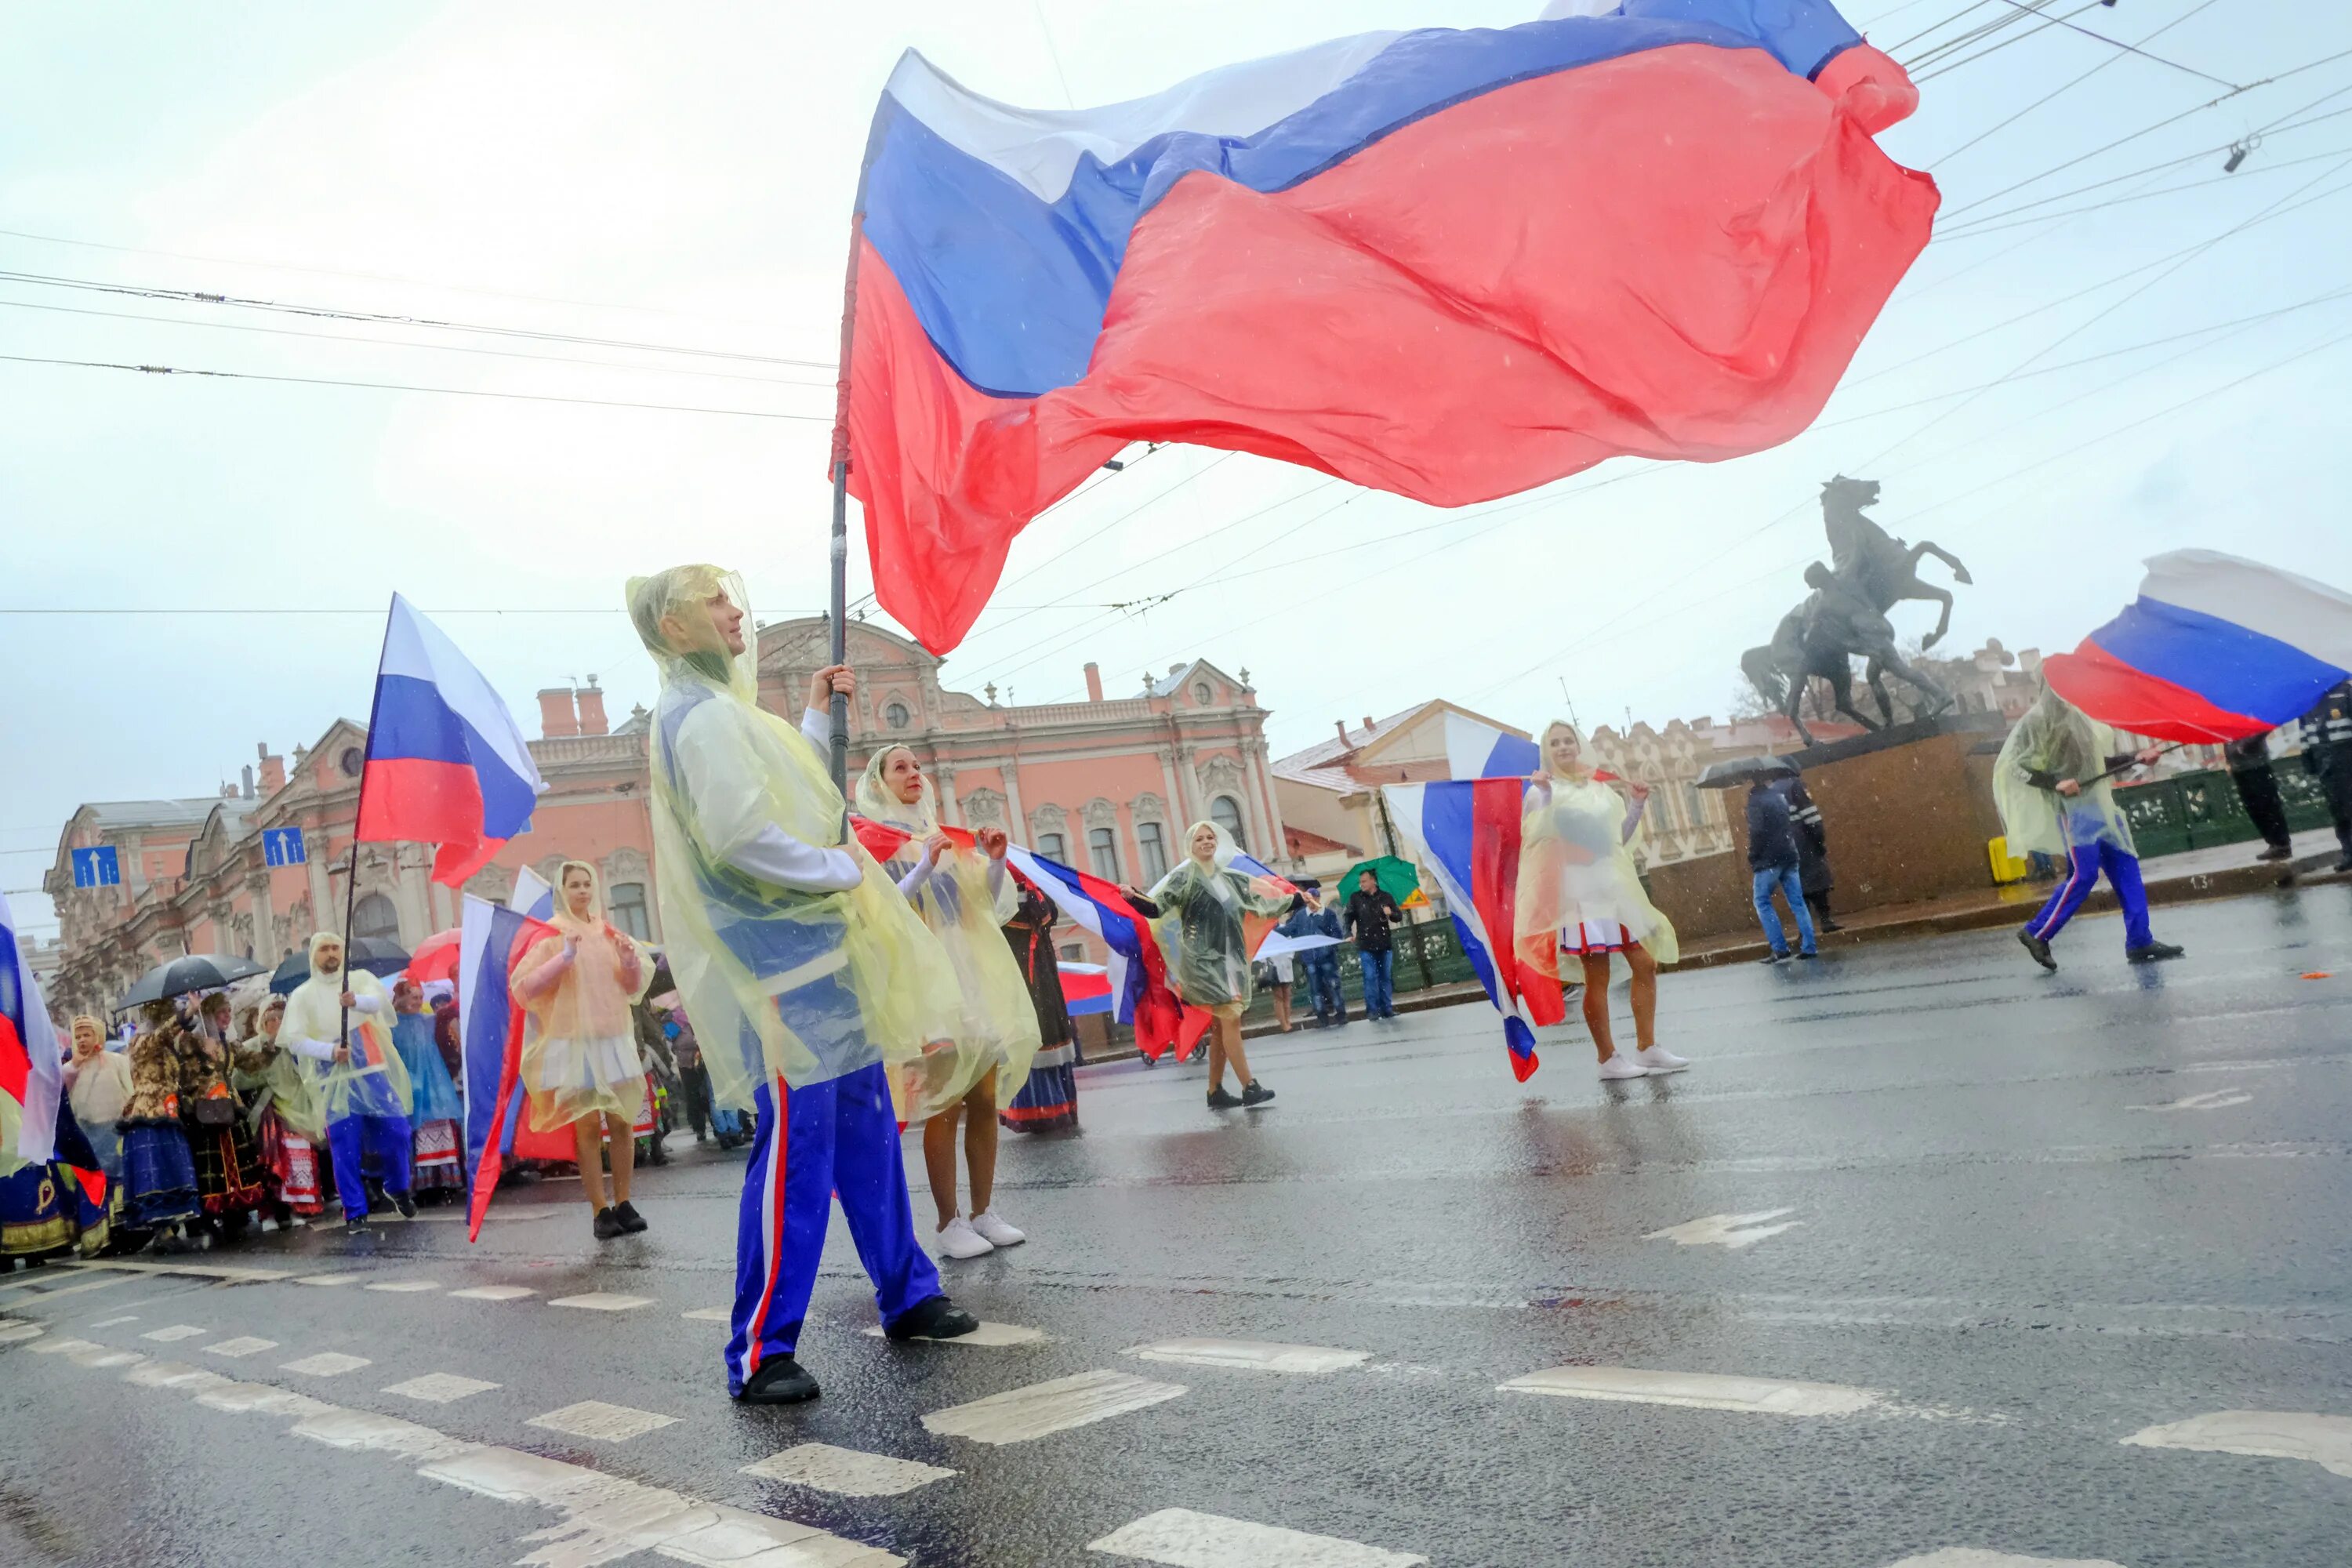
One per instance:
[(2067, 22), (2073, 82), (1942, 58), (1989, 227)]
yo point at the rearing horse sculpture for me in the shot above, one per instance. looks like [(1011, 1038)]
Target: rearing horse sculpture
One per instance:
[(1883, 569)]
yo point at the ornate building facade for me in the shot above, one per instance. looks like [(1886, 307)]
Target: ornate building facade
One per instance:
[(1109, 785)]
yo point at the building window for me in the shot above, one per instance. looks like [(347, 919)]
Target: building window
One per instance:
[(1052, 847), (1226, 812), (1102, 846), (376, 920), (897, 715), (627, 910), (1150, 840)]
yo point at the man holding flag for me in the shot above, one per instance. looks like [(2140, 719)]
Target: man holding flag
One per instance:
[(338, 1022)]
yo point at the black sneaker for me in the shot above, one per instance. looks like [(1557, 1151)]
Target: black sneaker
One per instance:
[(1774, 958), (2275, 852), (932, 1318), (782, 1381), (1256, 1093), (355, 1227), (626, 1212), (1808, 952), (2154, 953), (406, 1203), (1221, 1100), (609, 1225), (2039, 949)]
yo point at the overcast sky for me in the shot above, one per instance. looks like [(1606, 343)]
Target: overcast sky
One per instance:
[(680, 175)]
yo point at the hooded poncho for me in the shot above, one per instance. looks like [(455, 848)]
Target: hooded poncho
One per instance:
[(1577, 879), (2056, 741), (372, 1082), (1201, 926), (580, 1051)]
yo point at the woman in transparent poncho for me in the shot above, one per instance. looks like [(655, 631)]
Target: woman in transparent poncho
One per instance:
[(964, 897), (579, 1061), (1197, 911), (2054, 786), (1580, 893), (806, 976)]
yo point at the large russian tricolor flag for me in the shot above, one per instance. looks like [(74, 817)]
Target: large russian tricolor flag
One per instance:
[(446, 763), (1452, 264), (2215, 648), (31, 1076), (1141, 997), (1468, 833), (491, 1025)]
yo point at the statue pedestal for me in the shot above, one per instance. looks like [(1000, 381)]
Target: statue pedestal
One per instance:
[(1909, 809)]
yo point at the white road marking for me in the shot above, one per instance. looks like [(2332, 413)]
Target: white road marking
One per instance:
[(714, 1315), (258, 1398), (406, 1285), (493, 1293), (440, 1387), (2324, 1440), (1703, 1390), (326, 1364), (176, 1332), (1251, 1355), (241, 1346), (595, 1418), (111, 1323), (330, 1278), (58, 1347), (847, 1471), (1974, 1557), (988, 1336), (14, 1328), (53, 1291), (603, 1302), (228, 1273), (1183, 1539), (1019, 1414), (2212, 1099), (1732, 1230), (100, 1356)]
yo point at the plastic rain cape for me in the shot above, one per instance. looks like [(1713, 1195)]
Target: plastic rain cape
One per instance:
[(1577, 868), (580, 1044), (807, 986), (2058, 738), (280, 1085), (374, 1082), (1201, 929), (1000, 1020)]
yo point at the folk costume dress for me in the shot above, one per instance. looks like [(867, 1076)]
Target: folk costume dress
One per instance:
[(580, 1056), (49, 1208), (1579, 889), (964, 899), (806, 976), (221, 1143), (363, 1101), (1048, 1103), (159, 1177), (435, 1110), (283, 1109), (1201, 910)]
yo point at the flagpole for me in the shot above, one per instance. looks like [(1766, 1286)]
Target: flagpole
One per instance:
[(840, 463), (359, 809)]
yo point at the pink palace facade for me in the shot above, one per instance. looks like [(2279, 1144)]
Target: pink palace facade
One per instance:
[(1109, 785)]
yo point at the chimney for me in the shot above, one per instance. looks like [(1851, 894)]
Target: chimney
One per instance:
[(556, 718), (1094, 681), (1341, 725), (591, 709), (247, 776), (273, 770), (1368, 720)]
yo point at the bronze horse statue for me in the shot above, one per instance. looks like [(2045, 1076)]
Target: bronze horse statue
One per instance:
[(1883, 569)]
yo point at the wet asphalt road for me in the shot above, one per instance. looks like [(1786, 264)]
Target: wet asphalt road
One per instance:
[(2033, 1214)]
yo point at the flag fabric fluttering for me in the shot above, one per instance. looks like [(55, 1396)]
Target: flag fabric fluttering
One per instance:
[(446, 765), (2215, 648), (1451, 264), (490, 1031), (31, 1078), (1086, 987), (1141, 997), (1476, 750), (1468, 833)]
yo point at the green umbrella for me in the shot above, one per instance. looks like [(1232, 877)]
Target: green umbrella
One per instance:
[(1394, 877)]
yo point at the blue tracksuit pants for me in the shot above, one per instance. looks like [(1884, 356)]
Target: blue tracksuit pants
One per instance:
[(2087, 861), (351, 1140)]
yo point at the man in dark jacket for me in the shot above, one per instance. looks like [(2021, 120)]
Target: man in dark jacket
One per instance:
[(1369, 911), (1773, 858), (1813, 852), (2258, 791), (2327, 752)]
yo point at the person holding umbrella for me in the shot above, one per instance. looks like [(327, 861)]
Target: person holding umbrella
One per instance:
[(335, 1020)]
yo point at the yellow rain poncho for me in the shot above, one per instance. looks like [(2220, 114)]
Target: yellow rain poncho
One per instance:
[(274, 1080), (965, 898), (793, 952), (1201, 926), (1578, 885), (580, 1050), (2056, 741), (373, 1081)]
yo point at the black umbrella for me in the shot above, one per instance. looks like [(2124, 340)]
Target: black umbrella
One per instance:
[(196, 972), (1740, 770), (378, 957)]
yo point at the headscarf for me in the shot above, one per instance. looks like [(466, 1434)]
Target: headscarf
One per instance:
[(97, 1032), (723, 769)]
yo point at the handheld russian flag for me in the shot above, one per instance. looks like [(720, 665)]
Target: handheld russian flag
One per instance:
[(1138, 969), (31, 1078), (491, 945), (2215, 648), (1474, 750), (446, 763), (1468, 831), (1086, 987), (1452, 264)]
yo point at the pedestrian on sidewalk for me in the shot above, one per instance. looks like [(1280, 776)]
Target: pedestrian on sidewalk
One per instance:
[(2327, 752), (580, 1064), (2258, 791), (1370, 911), (2054, 783), (1772, 864), (1316, 918), (1198, 909), (964, 896), (336, 1021), (807, 975), (1579, 894), (1813, 852)]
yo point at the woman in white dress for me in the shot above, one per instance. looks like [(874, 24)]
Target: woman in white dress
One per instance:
[(1580, 895)]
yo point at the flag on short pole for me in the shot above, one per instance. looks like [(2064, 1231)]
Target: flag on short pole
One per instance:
[(31, 1078), (446, 765)]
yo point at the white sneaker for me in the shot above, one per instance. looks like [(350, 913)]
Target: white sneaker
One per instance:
[(957, 1239), (1657, 1058), (998, 1233), (1621, 1065)]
